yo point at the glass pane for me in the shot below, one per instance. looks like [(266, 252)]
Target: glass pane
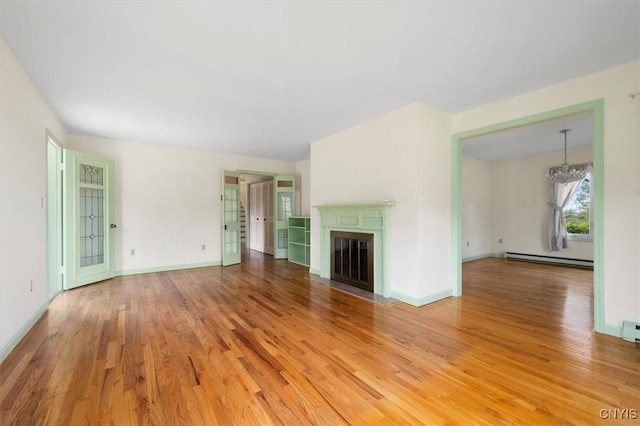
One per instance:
[(355, 264), (231, 213), (578, 209), (91, 174), (230, 242), (337, 256), (232, 180), (345, 257), (285, 207), (364, 262), (91, 229), (285, 184), (283, 238)]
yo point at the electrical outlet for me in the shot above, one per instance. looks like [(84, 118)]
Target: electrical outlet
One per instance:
[(31, 286), (499, 240), (204, 247), (133, 252), (467, 243)]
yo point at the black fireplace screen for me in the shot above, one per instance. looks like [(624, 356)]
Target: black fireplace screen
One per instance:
[(352, 259)]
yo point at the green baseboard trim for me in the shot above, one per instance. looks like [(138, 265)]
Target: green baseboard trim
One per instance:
[(612, 330), (11, 344), (421, 301), (166, 268), (480, 256), (414, 301)]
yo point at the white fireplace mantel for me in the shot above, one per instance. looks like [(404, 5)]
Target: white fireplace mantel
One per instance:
[(372, 218)]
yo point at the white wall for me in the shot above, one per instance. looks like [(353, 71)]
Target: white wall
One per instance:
[(519, 205), (476, 207), (405, 157), (621, 169), (24, 118), (303, 186), (508, 200), (168, 200)]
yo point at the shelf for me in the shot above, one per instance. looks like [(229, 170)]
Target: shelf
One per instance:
[(300, 240)]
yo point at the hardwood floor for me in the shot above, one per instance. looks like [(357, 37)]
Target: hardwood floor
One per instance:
[(259, 343)]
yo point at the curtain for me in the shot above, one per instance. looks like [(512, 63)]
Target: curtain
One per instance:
[(559, 196)]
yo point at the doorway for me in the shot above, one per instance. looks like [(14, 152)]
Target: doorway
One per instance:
[(596, 108), (267, 200), (257, 196), (79, 212)]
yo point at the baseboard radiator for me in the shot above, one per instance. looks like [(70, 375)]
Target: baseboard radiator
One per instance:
[(548, 259), (631, 331)]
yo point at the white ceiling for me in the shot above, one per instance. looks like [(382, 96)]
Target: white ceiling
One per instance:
[(267, 78), (539, 138)]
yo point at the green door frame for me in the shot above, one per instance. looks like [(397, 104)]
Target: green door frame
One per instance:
[(55, 271), (231, 252), (596, 107)]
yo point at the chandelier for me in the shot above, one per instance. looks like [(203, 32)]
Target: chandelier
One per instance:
[(565, 173)]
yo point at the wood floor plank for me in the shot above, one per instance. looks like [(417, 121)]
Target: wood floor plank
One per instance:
[(260, 343)]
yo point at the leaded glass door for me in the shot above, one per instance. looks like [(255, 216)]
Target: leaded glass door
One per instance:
[(89, 254), (231, 218), (284, 193)]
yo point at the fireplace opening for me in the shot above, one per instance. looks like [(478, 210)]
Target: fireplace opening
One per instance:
[(352, 259)]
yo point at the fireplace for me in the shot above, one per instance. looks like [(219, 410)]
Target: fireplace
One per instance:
[(352, 259), (370, 224)]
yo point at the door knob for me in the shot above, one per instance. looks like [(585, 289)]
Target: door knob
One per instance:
[(113, 225)]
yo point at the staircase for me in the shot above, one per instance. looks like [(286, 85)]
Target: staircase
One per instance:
[(243, 226)]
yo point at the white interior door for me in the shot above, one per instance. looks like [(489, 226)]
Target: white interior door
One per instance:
[(255, 218), (89, 235), (261, 216), (253, 226), (231, 218), (284, 189)]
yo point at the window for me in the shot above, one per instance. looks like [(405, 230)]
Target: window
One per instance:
[(577, 214)]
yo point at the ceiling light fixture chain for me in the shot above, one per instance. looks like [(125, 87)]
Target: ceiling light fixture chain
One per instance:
[(565, 131), (565, 173)]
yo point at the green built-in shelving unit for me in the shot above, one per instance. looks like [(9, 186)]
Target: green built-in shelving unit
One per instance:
[(300, 240)]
